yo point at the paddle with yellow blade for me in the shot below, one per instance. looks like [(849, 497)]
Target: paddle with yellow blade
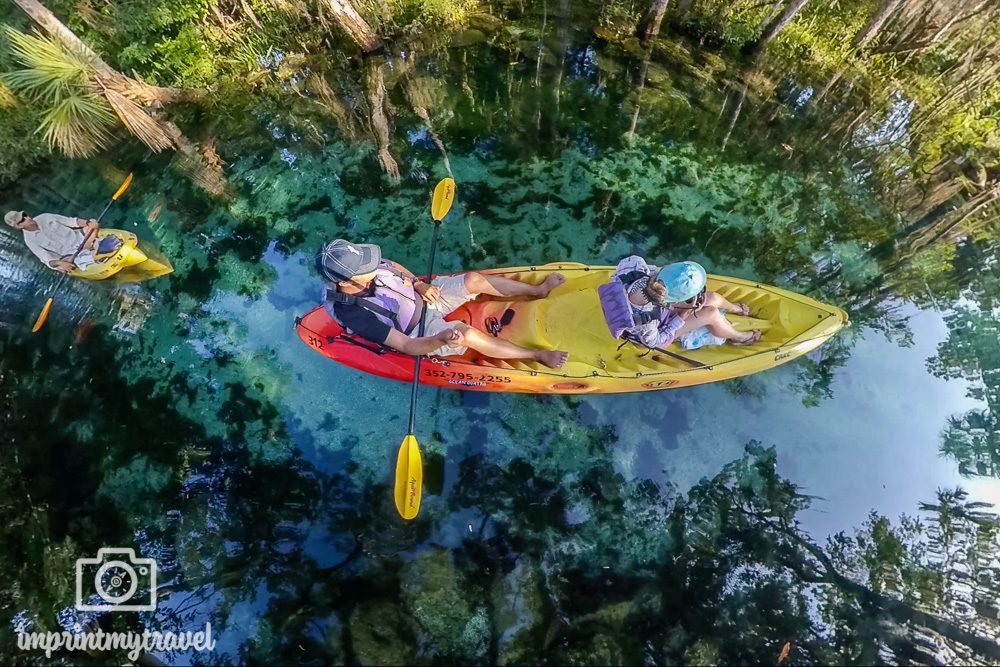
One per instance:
[(44, 315), (409, 467)]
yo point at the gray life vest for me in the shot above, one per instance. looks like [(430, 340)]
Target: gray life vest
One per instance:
[(393, 301)]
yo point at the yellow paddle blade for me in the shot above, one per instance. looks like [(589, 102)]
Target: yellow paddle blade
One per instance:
[(123, 188), (42, 316), (444, 197), (409, 478)]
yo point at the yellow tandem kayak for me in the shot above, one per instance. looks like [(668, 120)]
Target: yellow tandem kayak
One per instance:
[(134, 261), (571, 319)]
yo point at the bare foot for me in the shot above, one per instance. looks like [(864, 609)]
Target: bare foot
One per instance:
[(751, 338), (552, 358), (553, 281)]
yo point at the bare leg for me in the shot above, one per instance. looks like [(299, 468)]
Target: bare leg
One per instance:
[(720, 302), (481, 283), (502, 349), (709, 316)]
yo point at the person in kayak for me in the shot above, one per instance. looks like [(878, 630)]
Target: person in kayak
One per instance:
[(671, 303), (54, 239), (382, 302)]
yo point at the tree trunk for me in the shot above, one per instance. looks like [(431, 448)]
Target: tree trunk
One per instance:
[(775, 8), (355, 25), (875, 23), (48, 22), (905, 615), (638, 85), (380, 115), (956, 18), (51, 24), (650, 25), (901, 612), (776, 26), (736, 114), (420, 99)]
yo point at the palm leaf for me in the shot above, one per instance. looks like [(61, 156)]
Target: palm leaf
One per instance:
[(44, 53), (147, 129), (7, 99), (78, 125), (50, 71)]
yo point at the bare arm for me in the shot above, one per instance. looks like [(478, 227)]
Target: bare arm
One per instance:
[(62, 265), (89, 228), (400, 342), (87, 225)]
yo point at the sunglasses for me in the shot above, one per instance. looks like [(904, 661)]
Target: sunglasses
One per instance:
[(698, 299)]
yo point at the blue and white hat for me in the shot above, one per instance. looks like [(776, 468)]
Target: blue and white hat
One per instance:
[(683, 280), (341, 260)]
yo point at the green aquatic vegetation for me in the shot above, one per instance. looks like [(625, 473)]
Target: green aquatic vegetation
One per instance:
[(259, 538), (431, 588), (926, 274), (619, 18), (637, 539), (519, 610), (601, 638), (475, 641), (378, 634), (242, 278), (135, 485), (237, 386), (411, 16), (825, 44), (856, 264)]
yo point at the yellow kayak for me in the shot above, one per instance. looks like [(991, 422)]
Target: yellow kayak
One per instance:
[(134, 261), (571, 319)]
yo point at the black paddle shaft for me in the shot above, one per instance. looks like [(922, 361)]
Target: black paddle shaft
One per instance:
[(420, 331)]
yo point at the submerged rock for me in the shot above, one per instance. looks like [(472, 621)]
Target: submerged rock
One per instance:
[(468, 38), (446, 622), (519, 612), (378, 635)]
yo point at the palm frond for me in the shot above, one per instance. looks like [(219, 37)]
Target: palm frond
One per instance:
[(50, 70), (147, 129), (7, 99), (78, 125)]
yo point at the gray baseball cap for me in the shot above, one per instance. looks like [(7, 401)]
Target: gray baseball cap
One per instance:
[(342, 260)]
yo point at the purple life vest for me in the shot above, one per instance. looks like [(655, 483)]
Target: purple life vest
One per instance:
[(616, 307), (620, 315), (393, 301)]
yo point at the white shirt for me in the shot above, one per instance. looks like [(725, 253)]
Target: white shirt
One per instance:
[(57, 236)]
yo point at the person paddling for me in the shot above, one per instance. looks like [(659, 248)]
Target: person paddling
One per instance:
[(54, 239), (672, 302), (382, 302)]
